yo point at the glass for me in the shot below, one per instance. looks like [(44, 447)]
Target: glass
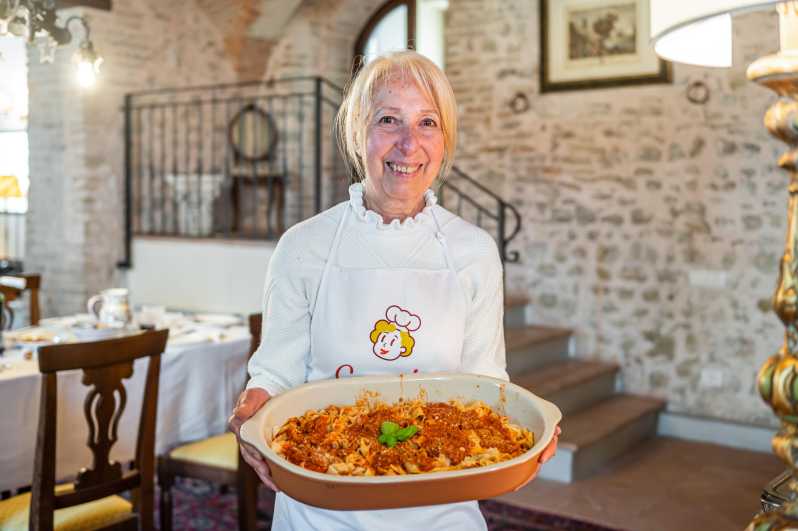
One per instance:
[(151, 317)]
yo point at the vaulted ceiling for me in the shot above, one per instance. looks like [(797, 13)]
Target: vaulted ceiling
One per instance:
[(251, 28)]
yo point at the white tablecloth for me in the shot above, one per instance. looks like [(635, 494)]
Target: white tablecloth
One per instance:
[(200, 380)]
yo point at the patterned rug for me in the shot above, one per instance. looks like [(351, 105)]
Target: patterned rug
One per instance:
[(200, 505)]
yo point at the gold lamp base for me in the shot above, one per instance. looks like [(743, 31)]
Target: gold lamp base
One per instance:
[(777, 382)]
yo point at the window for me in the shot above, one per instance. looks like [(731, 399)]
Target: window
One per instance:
[(401, 24), (14, 177), (13, 124)]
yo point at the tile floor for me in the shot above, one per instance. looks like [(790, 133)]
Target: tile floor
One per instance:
[(664, 484)]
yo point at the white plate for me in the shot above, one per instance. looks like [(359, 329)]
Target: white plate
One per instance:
[(219, 319), (31, 336), (67, 321), (96, 334), (188, 338)]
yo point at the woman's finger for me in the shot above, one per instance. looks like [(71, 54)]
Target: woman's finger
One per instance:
[(551, 448), (262, 471), (248, 403), (269, 482), (261, 468), (545, 455), (259, 465), (249, 451)]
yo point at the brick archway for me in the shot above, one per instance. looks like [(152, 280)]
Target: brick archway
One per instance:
[(320, 38)]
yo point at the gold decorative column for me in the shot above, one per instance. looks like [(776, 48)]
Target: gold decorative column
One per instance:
[(777, 380)]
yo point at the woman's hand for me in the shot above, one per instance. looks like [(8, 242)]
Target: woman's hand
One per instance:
[(551, 448), (249, 402), (547, 453)]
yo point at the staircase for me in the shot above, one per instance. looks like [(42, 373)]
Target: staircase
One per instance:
[(598, 423)]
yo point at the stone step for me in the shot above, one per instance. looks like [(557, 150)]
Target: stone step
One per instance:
[(534, 346), (515, 310), (597, 434), (571, 384)]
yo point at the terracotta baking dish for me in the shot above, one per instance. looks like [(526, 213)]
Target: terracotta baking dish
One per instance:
[(386, 492)]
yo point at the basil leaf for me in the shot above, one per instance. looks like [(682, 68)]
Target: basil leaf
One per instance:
[(390, 441), (383, 439), (406, 433), (389, 428)]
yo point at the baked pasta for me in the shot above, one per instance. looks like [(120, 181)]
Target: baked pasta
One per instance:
[(408, 437)]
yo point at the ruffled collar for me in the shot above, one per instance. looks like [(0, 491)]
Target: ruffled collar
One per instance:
[(371, 217)]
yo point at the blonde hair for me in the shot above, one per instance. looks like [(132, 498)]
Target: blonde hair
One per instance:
[(386, 326), (356, 109)]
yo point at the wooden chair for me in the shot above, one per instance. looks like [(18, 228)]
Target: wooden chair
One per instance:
[(215, 459), (14, 286), (91, 502)]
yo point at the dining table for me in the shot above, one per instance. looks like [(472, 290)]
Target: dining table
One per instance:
[(203, 369)]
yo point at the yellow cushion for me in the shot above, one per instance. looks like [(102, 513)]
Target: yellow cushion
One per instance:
[(14, 512), (219, 451)]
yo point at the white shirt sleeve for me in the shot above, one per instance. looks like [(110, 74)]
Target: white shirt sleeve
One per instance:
[(280, 361), (483, 345)]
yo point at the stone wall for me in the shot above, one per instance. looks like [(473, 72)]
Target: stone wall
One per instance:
[(652, 226), (75, 222)]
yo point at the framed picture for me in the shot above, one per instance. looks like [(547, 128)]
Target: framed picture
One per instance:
[(597, 43)]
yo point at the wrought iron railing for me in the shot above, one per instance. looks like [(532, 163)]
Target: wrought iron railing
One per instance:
[(474, 202), (248, 160), (232, 161)]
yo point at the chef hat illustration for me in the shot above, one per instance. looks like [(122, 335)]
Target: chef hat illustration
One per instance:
[(403, 319)]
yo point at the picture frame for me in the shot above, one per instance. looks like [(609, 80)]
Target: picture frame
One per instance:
[(588, 44)]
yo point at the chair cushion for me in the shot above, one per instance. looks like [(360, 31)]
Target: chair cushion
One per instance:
[(218, 451), (14, 512)]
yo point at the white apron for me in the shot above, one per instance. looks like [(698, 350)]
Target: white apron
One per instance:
[(377, 321)]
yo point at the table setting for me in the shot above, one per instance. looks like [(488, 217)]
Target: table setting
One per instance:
[(202, 371), (184, 328)]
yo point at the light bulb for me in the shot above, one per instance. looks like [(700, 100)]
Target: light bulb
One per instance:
[(88, 64), (86, 75)]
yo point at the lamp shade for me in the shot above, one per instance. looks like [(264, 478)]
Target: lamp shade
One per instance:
[(697, 32)]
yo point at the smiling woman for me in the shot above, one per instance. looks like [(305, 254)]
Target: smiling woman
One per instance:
[(404, 148), (374, 286), (402, 111)]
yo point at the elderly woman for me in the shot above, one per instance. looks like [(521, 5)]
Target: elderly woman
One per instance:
[(385, 282)]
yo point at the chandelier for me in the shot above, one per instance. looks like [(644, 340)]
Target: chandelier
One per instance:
[(36, 21)]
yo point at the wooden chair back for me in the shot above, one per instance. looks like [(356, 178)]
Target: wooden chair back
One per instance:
[(246, 479), (13, 286), (7, 317), (105, 364), (255, 325), (243, 477)]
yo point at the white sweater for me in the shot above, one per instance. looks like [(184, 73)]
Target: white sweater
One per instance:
[(295, 269)]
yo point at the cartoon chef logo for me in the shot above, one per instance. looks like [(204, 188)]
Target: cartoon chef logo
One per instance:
[(391, 336)]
